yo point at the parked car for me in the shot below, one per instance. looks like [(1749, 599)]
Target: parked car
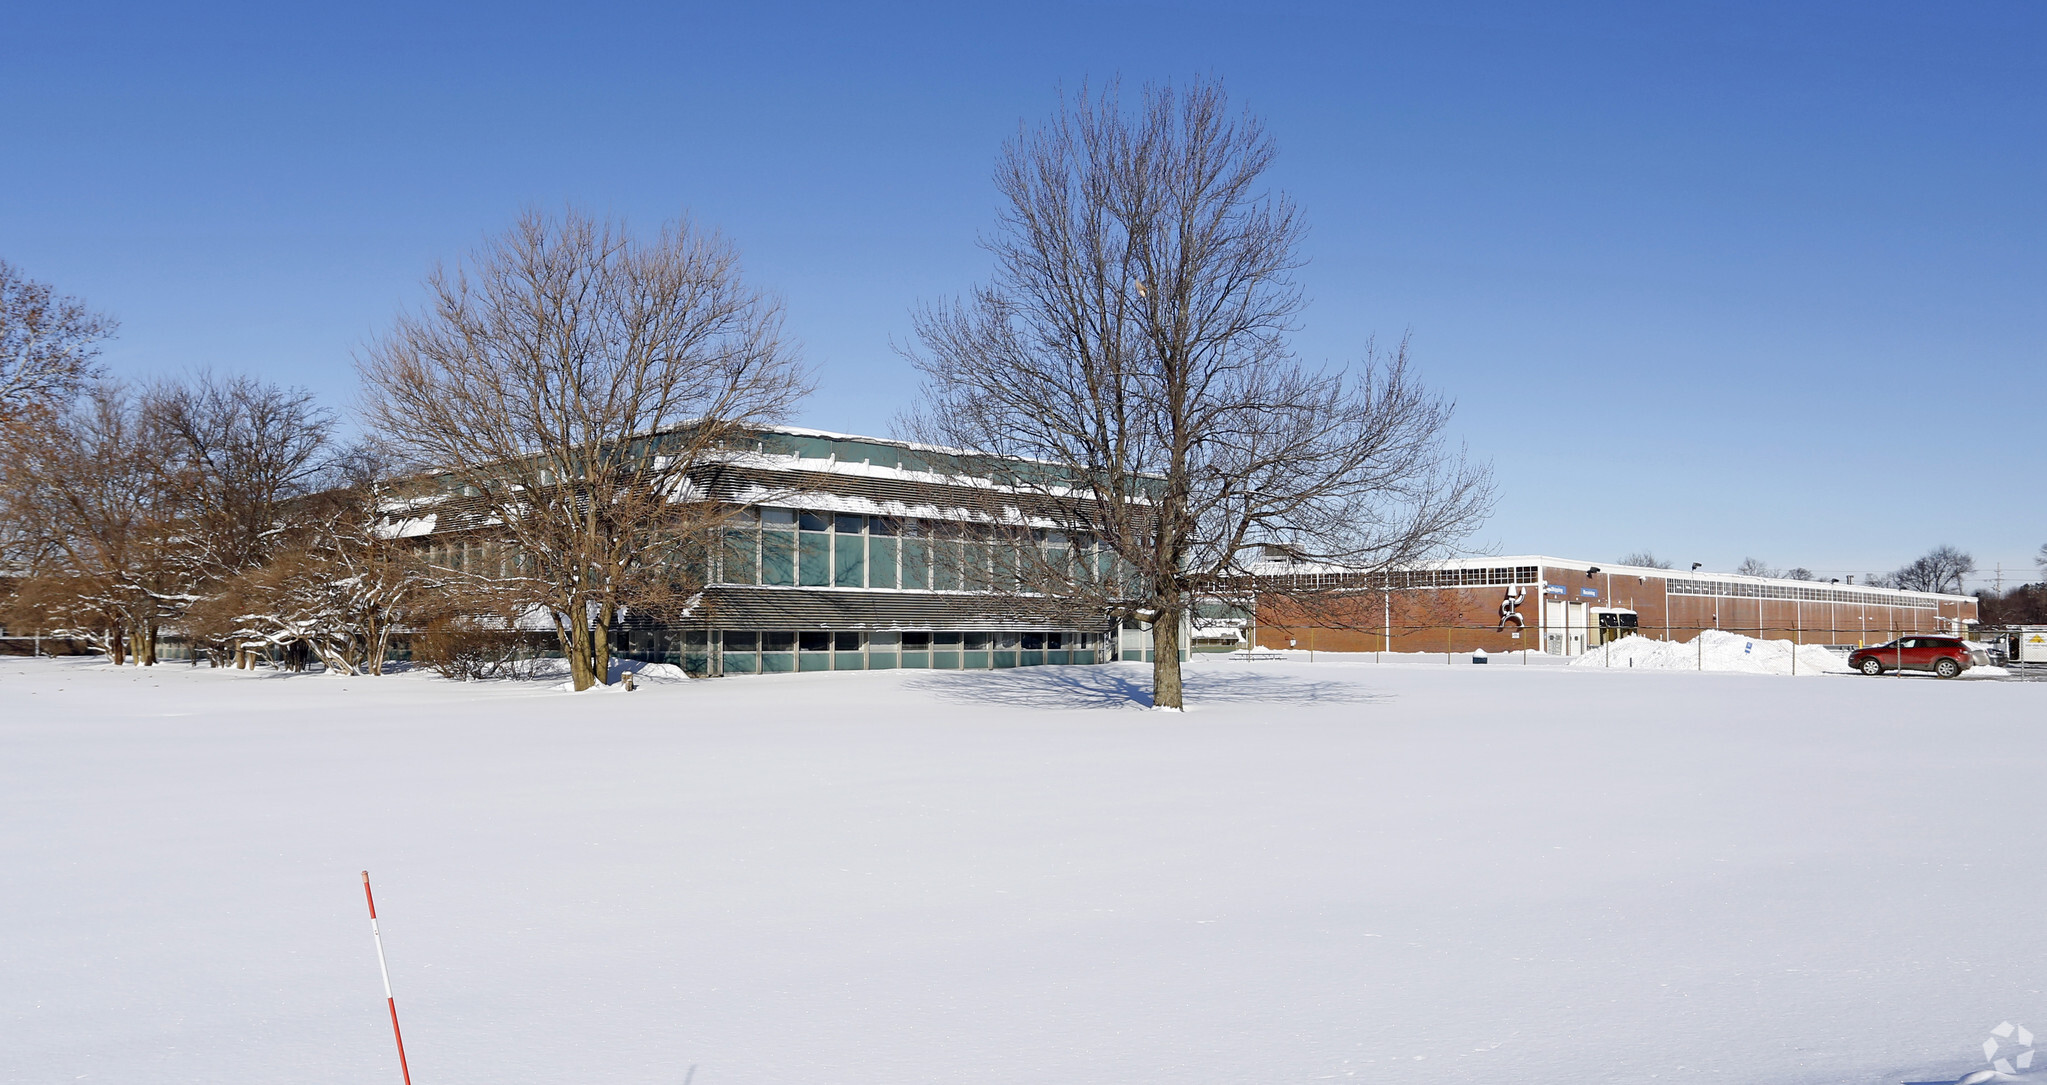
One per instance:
[(1944, 656)]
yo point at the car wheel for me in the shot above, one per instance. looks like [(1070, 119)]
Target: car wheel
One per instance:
[(1946, 668), (1871, 666)]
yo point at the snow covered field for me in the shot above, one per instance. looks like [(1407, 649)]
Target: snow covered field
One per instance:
[(1330, 870)]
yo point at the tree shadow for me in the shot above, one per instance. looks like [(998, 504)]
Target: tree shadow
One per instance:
[(1100, 687)]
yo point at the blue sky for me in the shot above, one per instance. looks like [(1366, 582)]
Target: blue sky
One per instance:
[(1712, 279)]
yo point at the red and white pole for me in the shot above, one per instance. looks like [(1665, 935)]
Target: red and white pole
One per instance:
[(389, 1001)]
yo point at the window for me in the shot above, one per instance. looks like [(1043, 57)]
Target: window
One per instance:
[(778, 557), (849, 570), (1034, 642), (946, 564), (741, 556), (778, 642), (813, 559), (916, 561), (814, 641), (916, 642), (881, 561), (741, 642), (845, 642)]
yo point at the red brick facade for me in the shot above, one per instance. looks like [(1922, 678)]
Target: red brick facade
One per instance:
[(1559, 611)]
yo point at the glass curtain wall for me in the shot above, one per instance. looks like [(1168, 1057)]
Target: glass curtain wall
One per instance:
[(787, 547)]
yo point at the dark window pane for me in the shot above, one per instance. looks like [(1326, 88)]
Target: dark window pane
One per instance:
[(740, 642), (945, 565), (851, 569), (813, 641), (977, 642), (849, 525), (814, 559), (1033, 642), (916, 564), (778, 557), (916, 642), (846, 642), (974, 575), (946, 638), (882, 525), (881, 561), (742, 557), (1055, 641), (814, 521), (778, 642), (778, 517)]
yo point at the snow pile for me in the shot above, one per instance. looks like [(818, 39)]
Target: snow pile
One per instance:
[(1714, 650)]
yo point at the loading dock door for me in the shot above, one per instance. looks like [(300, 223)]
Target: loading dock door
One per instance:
[(1564, 627)]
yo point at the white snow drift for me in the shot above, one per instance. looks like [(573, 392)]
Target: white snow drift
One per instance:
[(1715, 650), (1326, 871)]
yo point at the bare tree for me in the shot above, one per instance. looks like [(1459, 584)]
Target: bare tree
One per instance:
[(243, 452), (1134, 338), (48, 344), (1941, 569), (1643, 559), (85, 492), (1755, 567), (564, 384), (341, 580)]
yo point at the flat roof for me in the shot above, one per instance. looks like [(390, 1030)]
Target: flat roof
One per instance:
[(1577, 565)]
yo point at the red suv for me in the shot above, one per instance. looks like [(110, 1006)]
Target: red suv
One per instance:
[(1944, 656)]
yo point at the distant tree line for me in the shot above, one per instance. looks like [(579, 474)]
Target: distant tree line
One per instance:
[(228, 507), (1943, 569)]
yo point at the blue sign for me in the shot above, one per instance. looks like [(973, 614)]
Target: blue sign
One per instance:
[(1553, 589), (1593, 592)]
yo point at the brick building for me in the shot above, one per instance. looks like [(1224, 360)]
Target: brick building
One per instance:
[(1564, 607)]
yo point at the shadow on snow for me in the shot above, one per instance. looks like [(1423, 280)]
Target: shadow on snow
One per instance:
[(1129, 687)]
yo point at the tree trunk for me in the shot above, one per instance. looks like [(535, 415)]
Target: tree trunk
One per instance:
[(145, 645), (574, 630), (1165, 668), (600, 646), (375, 646), (118, 650)]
